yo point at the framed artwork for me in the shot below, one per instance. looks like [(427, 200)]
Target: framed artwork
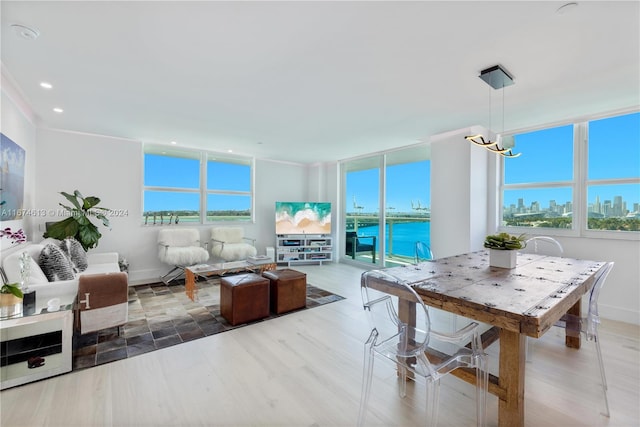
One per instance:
[(12, 159)]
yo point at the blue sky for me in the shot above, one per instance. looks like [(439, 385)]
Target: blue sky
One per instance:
[(164, 171), (406, 183)]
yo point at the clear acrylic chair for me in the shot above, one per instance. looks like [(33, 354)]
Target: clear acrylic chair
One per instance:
[(588, 325), (423, 252), (543, 245), (416, 349), (540, 245)]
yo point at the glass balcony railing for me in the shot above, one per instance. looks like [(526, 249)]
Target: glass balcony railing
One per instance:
[(402, 231)]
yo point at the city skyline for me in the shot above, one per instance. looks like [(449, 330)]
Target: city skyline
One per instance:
[(614, 207)]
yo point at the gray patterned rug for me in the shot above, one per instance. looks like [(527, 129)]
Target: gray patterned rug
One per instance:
[(161, 316)]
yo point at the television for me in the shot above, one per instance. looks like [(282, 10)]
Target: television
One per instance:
[(303, 218)]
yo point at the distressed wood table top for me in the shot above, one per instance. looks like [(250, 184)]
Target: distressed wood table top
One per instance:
[(527, 299)]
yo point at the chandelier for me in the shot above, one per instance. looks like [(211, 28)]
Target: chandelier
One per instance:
[(496, 77)]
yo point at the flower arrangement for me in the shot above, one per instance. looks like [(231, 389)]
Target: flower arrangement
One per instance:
[(505, 241), (14, 236)]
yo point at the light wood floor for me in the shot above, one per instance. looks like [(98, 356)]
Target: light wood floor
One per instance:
[(304, 369)]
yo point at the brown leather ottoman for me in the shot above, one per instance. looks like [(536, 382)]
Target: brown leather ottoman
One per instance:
[(244, 297), (288, 289)]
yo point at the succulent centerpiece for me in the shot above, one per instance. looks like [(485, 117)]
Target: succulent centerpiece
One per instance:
[(503, 249)]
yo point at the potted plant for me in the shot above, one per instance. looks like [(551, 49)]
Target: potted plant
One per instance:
[(10, 300), (79, 225), (503, 249)]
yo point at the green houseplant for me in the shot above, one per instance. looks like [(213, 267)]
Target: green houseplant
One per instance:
[(11, 289), (79, 225), (505, 241), (503, 249), (10, 300)]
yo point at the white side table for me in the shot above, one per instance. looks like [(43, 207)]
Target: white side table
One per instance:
[(35, 347)]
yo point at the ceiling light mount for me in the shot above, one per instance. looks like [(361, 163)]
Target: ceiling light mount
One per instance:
[(25, 32), (496, 77)]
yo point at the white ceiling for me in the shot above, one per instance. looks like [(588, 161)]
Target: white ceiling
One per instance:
[(317, 81)]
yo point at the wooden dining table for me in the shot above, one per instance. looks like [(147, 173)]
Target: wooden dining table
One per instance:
[(518, 303)]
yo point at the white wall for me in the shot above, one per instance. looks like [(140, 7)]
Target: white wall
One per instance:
[(275, 181), (459, 203)]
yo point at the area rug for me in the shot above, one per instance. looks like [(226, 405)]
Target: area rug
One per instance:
[(161, 316)]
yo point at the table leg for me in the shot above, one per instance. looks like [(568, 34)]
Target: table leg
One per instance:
[(190, 284), (512, 367), (572, 329), (407, 314)]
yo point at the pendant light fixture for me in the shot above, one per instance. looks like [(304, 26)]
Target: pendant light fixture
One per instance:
[(496, 77)]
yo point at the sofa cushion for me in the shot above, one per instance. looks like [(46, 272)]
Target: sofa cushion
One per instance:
[(76, 253), (55, 264)]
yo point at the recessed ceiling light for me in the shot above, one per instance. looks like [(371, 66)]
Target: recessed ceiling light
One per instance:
[(229, 151), (58, 110), (25, 32), (46, 85), (173, 142)]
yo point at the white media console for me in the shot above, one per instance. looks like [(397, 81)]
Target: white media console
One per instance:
[(303, 248)]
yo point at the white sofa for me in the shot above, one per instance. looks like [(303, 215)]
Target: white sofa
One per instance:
[(66, 290)]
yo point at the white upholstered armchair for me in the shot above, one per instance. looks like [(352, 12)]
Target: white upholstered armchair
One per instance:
[(229, 244), (180, 248)]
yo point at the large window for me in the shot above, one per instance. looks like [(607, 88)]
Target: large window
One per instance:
[(582, 176), (613, 179), (538, 185), (192, 186)]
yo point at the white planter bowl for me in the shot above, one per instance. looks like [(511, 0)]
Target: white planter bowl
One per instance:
[(502, 258)]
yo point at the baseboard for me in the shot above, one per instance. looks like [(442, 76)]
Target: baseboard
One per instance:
[(144, 277), (619, 314)]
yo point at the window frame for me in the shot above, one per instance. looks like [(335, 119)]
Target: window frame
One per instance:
[(579, 185), (203, 156)]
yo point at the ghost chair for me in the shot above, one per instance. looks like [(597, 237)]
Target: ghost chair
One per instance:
[(423, 252), (588, 325), (180, 248), (416, 349), (543, 245)]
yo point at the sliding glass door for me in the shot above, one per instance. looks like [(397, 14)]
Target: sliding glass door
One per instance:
[(386, 201), (408, 206)]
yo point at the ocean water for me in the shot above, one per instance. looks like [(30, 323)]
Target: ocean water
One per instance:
[(405, 236)]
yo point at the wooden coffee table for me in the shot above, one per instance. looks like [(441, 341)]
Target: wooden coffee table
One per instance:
[(221, 269)]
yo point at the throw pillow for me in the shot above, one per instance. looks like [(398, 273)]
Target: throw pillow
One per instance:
[(55, 264), (75, 252)]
